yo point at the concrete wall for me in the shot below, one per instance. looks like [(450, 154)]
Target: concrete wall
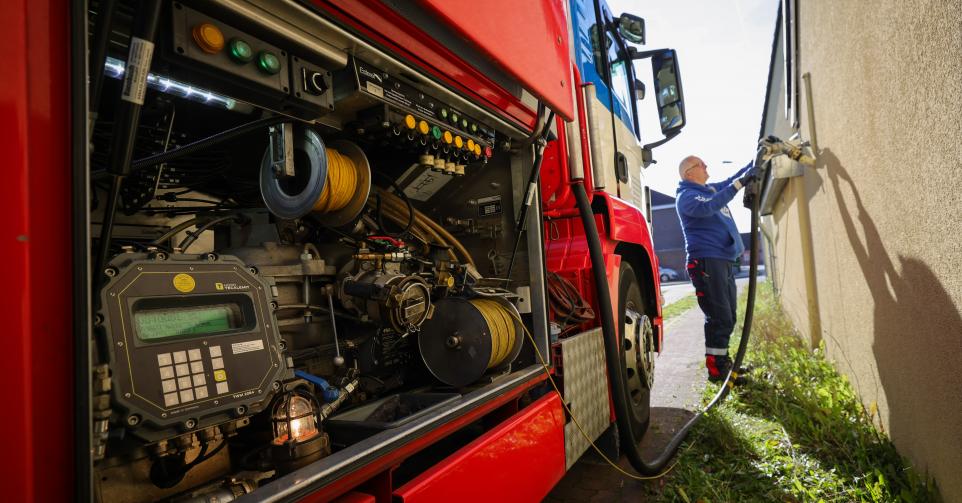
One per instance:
[(886, 213)]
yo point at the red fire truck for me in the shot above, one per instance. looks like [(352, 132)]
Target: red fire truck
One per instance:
[(325, 250)]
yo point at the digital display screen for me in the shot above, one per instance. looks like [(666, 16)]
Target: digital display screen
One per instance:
[(160, 323)]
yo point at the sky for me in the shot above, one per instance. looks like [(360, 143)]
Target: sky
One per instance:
[(724, 48)]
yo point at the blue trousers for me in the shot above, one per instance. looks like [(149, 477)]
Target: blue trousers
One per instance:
[(714, 281)]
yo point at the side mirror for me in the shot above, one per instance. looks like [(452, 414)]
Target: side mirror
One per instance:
[(631, 28), (670, 99)]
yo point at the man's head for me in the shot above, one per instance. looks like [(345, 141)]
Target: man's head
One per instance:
[(693, 169)]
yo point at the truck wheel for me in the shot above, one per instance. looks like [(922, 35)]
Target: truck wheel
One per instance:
[(638, 355)]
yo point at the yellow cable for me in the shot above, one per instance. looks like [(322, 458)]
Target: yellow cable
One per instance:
[(340, 185), (547, 371), (501, 326)]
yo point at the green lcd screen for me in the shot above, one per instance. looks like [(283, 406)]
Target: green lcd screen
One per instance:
[(161, 323)]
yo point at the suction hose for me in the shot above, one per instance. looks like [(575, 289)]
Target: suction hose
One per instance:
[(616, 376)]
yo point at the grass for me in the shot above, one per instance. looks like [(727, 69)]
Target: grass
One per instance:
[(797, 432), (678, 307)]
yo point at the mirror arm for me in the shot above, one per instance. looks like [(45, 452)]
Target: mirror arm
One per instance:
[(635, 55), (661, 141)]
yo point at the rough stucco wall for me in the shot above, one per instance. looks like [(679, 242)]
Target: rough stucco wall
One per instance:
[(886, 210)]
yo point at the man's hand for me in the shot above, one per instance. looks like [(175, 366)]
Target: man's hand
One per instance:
[(769, 140), (747, 178)]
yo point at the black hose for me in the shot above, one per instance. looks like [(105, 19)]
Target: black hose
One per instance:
[(210, 141), (177, 229), (192, 236), (616, 375)]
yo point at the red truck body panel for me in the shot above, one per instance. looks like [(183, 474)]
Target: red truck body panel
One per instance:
[(389, 29), (37, 337), (500, 27), (519, 460)]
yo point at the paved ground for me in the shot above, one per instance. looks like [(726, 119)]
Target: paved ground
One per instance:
[(674, 291), (679, 381)]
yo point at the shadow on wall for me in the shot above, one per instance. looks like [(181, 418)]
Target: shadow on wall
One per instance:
[(917, 342)]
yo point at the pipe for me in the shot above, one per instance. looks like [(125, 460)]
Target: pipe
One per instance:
[(805, 232), (616, 374)]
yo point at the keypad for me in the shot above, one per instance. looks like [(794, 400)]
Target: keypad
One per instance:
[(182, 376)]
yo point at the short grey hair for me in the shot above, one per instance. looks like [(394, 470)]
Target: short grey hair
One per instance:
[(685, 164)]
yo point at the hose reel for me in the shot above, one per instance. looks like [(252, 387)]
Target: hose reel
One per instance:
[(331, 180), (468, 338)]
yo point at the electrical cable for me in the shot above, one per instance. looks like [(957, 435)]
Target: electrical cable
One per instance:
[(193, 236), (500, 325), (566, 301), (341, 183)]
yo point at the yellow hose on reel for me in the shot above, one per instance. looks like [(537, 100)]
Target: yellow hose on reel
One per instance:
[(341, 183), (469, 338), (332, 180), (502, 328)]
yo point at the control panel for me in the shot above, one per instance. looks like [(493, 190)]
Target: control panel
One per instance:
[(193, 340), (449, 138), (246, 67)]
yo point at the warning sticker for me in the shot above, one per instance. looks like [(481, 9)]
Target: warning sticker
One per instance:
[(247, 346), (184, 283), (489, 206), (138, 64), (426, 184)]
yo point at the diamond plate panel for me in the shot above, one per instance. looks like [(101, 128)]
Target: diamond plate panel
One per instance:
[(585, 390)]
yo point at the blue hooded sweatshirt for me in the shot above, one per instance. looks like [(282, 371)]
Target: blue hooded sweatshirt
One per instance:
[(707, 222)]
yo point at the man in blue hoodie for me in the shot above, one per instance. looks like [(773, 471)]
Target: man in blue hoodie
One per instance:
[(714, 247)]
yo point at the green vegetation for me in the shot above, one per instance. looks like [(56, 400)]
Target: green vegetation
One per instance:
[(795, 432), (678, 307)]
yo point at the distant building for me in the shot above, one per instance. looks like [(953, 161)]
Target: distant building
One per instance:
[(667, 235), (669, 239)]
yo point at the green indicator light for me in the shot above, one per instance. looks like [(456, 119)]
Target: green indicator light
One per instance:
[(474, 128), (454, 118), (436, 132), (444, 113), (240, 51), (464, 123), (268, 63)]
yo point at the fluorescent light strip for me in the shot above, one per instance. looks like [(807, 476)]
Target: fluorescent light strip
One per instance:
[(114, 68)]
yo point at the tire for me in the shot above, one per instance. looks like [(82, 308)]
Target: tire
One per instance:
[(664, 277), (637, 358)]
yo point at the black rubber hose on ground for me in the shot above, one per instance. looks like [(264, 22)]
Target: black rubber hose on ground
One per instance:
[(616, 374)]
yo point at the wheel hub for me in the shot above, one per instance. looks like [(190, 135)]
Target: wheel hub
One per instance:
[(639, 347)]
